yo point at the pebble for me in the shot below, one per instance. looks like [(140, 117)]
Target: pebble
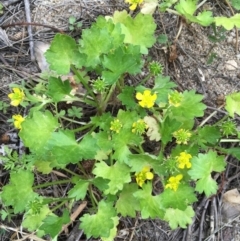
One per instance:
[(231, 65), (230, 39)]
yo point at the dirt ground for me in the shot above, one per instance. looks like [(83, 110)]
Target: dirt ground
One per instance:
[(185, 61)]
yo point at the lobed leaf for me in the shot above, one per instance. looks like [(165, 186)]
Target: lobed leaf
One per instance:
[(101, 223), (58, 89), (233, 104), (119, 61), (150, 206), (62, 53), (117, 174), (79, 191), (177, 217), (137, 31), (127, 204), (53, 224), (178, 199), (228, 23), (37, 130), (18, 193), (202, 167)]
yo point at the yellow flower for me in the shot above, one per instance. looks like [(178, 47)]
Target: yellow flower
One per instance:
[(173, 182), (182, 136), (18, 120), (16, 97), (146, 100), (139, 127), (183, 160), (133, 3), (116, 126), (144, 175)]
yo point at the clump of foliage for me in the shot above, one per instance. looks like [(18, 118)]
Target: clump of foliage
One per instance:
[(123, 173)]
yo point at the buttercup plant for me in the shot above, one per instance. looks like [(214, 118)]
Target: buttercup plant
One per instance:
[(120, 182)]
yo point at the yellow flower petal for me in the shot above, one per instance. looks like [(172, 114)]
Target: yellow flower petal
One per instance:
[(139, 96), (18, 120), (149, 175)]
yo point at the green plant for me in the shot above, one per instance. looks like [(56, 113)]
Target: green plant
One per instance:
[(4, 107), (1, 8), (188, 9), (73, 24), (120, 182)]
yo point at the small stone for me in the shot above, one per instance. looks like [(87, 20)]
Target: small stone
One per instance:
[(180, 58), (231, 65), (230, 39)]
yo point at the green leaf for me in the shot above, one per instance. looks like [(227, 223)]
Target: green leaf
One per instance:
[(75, 112), (228, 23), (113, 231), (101, 38), (162, 86), (167, 128), (233, 104), (58, 89), (150, 206), (79, 191), (118, 175), (187, 9), (43, 166), (127, 97), (101, 223), (53, 224), (62, 53), (65, 149), (33, 221), (235, 4), (37, 130), (127, 204), (202, 167), (189, 108), (178, 199), (162, 39), (119, 61), (208, 135), (19, 191), (177, 217), (207, 184), (234, 151), (125, 138), (72, 20), (139, 161), (138, 31)]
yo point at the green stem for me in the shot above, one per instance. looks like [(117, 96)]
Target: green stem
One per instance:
[(73, 121), (220, 121), (84, 83), (172, 11), (51, 200), (51, 183), (83, 127), (82, 169), (71, 172), (92, 197), (104, 103), (58, 206), (230, 140), (145, 79)]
